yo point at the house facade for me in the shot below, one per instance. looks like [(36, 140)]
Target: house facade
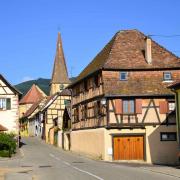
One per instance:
[(52, 114), (34, 118), (9, 102), (121, 106)]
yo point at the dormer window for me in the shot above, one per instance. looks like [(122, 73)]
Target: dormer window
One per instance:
[(167, 76), (123, 76)]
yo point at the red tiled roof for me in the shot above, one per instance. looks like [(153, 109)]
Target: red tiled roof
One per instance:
[(32, 108), (126, 51), (32, 96), (2, 128), (175, 84)]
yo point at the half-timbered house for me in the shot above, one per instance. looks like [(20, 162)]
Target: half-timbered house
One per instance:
[(52, 113), (121, 106), (9, 102)]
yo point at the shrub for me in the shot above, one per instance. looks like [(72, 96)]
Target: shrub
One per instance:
[(7, 144)]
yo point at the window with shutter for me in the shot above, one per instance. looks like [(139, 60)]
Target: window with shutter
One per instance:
[(128, 107), (3, 104)]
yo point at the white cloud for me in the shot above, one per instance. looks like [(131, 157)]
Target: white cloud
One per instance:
[(27, 78)]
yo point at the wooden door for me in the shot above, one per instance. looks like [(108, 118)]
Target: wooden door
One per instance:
[(129, 148)]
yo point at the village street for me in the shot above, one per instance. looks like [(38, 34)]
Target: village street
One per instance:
[(42, 161)]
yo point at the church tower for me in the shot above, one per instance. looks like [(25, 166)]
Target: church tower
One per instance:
[(59, 78)]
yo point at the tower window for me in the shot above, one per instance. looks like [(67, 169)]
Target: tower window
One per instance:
[(61, 86)]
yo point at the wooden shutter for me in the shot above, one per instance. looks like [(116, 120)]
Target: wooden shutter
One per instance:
[(8, 103), (163, 107), (95, 109), (118, 106), (138, 106)]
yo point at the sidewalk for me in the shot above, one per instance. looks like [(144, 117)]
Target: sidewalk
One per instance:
[(19, 154), (167, 170)]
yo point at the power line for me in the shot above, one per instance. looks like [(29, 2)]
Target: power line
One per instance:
[(165, 36)]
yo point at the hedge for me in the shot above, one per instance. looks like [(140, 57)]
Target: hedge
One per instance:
[(7, 145)]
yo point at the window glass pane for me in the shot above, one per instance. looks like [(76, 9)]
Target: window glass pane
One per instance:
[(167, 76), (67, 102), (168, 136), (172, 137), (125, 106), (131, 103), (164, 136), (171, 106), (2, 103), (123, 75)]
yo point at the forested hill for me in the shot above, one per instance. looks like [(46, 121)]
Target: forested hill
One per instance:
[(41, 82)]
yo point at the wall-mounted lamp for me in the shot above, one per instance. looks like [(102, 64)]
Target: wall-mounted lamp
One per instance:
[(103, 101)]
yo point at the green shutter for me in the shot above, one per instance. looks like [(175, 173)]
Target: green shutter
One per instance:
[(8, 103)]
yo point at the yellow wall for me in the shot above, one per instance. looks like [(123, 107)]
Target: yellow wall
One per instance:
[(89, 142), (23, 108), (98, 143), (55, 110), (56, 88)]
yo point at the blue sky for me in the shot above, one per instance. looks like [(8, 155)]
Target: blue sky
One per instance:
[(28, 31)]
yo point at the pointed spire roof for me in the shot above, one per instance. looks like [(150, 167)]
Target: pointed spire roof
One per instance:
[(33, 95), (60, 74)]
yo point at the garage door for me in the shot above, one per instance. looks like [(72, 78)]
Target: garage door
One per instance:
[(129, 148)]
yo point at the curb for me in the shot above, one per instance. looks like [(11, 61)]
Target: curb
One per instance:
[(160, 172), (18, 155)]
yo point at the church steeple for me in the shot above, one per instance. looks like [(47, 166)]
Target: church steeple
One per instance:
[(60, 75)]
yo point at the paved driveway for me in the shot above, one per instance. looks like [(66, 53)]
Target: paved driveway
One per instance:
[(45, 162)]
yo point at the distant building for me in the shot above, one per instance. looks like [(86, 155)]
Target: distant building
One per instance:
[(9, 101), (33, 118), (32, 96), (121, 106)]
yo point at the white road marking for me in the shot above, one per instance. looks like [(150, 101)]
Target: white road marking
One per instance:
[(52, 155), (78, 169), (93, 175), (66, 163)]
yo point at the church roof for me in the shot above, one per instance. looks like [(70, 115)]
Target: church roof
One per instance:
[(33, 95), (60, 74)]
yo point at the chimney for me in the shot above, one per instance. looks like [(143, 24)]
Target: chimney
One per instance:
[(148, 53)]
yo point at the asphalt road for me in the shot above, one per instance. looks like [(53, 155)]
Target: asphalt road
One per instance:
[(45, 162)]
